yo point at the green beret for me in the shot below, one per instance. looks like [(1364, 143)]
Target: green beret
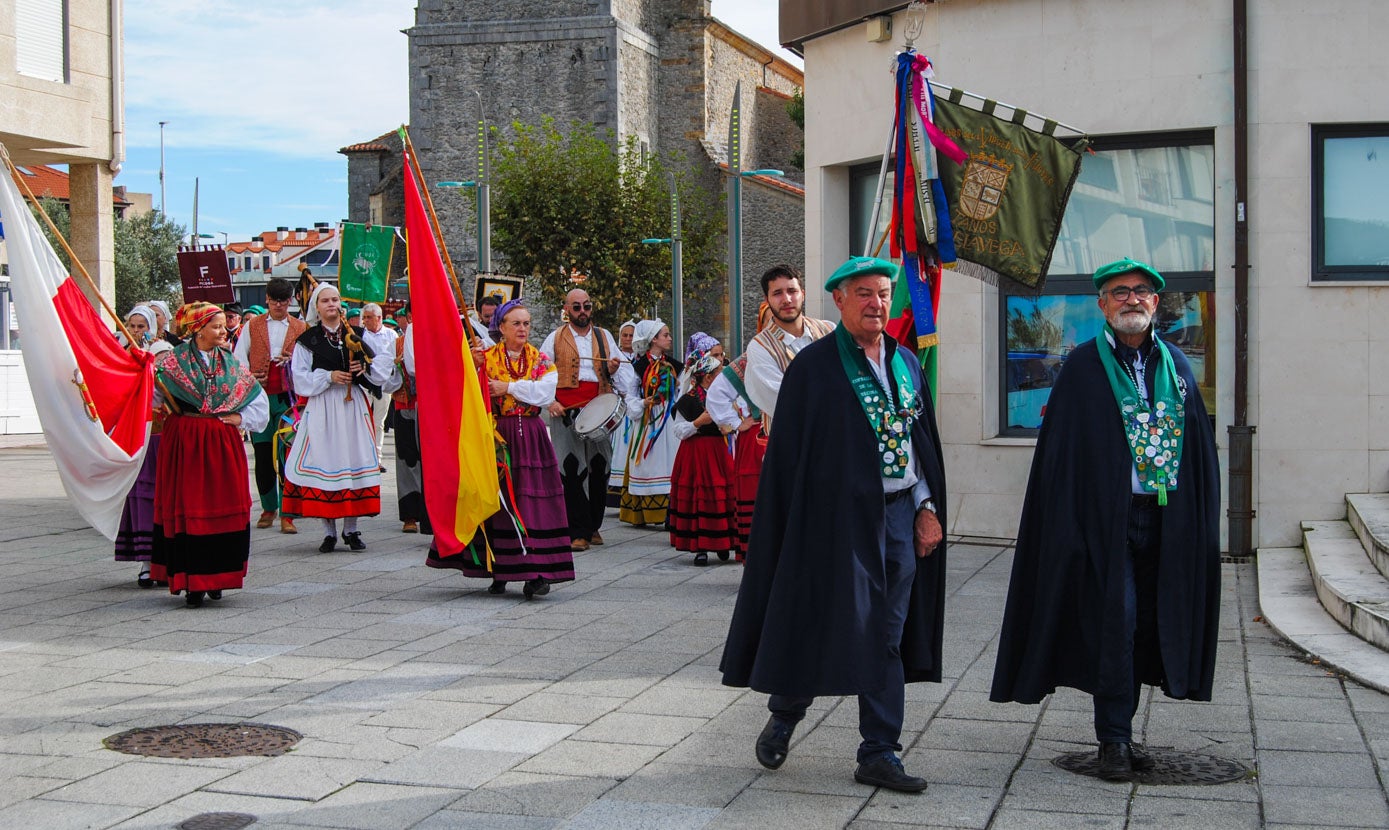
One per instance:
[(356, 312), (256, 309), (1128, 266), (392, 323), (858, 266)]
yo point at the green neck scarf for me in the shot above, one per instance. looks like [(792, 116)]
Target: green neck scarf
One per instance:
[(1153, 428), (892, 424)]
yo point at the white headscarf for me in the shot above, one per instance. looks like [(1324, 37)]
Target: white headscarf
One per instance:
[(645, 333), (311, 313), (168, 316), (146, 312), (633, 324)]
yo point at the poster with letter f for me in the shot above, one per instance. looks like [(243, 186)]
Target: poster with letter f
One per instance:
[(1006, 201), (366, 262), (204, 275)]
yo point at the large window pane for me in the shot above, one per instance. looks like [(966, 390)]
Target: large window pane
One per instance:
[(1040, 332), (1154, 204), (1354, 183)]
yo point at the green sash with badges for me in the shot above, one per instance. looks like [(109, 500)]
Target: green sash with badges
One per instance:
[(892, 424), (1154, 430)]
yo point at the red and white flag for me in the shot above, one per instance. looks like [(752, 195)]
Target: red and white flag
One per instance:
[(93, 397)]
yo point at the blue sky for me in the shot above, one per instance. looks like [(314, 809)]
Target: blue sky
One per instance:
[(259, 96)]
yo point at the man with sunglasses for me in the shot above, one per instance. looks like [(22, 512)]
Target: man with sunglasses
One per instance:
[(588, 362), (1116, 574)]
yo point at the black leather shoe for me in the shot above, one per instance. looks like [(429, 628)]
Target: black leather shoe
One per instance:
[(774, 742), (1116, 762), (143, 580), (886, 771), (497, 587), (329, 542), (701, 558), (537, 587), (214, 594), (194, 599), (1140, 759), (354, 540)]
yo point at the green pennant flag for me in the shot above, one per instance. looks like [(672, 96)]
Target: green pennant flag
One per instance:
[(365, 262), (1007, 199)]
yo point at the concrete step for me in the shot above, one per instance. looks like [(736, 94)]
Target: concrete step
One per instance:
[(1349, 587), (1289, 604), (1368, 513)]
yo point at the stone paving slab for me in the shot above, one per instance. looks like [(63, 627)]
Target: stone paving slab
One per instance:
[(426, 703)]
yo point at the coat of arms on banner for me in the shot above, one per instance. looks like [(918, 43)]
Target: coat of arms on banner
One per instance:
[(983, 182)]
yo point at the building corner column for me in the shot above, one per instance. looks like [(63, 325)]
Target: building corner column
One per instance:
[(94, 227)]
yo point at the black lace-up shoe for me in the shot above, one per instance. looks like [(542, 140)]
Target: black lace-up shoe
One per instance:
[(886, 771), (774, 742)]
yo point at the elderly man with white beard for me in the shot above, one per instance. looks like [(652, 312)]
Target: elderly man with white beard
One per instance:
[(1116, 574)]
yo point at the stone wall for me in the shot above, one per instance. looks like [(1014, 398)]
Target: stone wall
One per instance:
[(776, 138)]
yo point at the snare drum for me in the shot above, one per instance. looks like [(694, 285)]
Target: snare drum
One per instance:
[(600, 417)]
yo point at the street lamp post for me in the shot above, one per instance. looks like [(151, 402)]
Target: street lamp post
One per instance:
[(484, 193), (677, 311), (735, 217)]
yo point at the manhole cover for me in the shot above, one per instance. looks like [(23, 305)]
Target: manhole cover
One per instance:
[(218, 821), (1169, 767), (205, 740)]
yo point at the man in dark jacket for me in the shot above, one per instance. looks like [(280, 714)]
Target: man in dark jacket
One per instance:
[(1116, 576), (843, 592)]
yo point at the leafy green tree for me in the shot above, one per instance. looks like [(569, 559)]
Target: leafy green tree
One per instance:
[(566, 204), (146, 251), (796, 109)]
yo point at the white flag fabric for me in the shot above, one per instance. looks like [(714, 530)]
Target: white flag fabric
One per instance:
[(92, 396)]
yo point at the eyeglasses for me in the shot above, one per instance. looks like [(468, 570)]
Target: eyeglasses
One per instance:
[(1123, 292), (581, 306)]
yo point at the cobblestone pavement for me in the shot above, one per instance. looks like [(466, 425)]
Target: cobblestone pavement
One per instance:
[(425, 702)]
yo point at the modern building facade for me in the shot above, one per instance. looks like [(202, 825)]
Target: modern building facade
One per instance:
[(1297, 200)]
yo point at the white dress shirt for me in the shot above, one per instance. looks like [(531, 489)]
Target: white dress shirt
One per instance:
[(763, 375), (275, 331), (623, 379)]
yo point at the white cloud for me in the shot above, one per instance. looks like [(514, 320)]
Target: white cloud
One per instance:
[(292, 79)]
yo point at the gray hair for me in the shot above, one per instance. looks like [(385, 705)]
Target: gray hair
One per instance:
[(372, 307)]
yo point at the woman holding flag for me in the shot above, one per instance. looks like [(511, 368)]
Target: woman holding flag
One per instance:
[(202, 527), (333, 471), (529, 536)]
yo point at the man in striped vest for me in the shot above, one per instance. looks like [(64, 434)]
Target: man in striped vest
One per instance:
[(773, 348)]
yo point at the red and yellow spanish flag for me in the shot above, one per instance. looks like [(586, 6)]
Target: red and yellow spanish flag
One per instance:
[(460, 467)]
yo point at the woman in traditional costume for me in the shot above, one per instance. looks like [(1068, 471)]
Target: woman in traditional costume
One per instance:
[(135, 539), (650, 404), (162, 318), (333, 471), (529, 536), (622, 436), (701, 488), (202, 526), (731, 408)]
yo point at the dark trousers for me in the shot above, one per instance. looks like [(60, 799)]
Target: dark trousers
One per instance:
[(1139, 643), (880, 713)]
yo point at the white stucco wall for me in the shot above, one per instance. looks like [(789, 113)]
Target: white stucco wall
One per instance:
[(1319, 356)]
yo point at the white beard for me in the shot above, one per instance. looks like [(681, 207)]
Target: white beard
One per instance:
[(1135, 322)]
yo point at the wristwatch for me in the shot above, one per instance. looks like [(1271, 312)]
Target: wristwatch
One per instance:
[(926, 505)]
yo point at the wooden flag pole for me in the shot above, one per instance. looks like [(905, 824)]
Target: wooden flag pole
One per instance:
[(434, 221), (80, 269)]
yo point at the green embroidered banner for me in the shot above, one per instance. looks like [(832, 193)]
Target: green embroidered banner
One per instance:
[(365, 262), (1007, 199)]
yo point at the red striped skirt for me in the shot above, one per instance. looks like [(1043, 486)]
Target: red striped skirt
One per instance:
[(202, 506), (747, 471), (701, 496)]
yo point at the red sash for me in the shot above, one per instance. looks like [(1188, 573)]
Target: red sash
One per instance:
[(575, 398)]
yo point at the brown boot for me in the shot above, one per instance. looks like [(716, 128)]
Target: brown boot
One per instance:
[(287, 525), (267, 518), (578, 544), (596, 538), (411, 526)]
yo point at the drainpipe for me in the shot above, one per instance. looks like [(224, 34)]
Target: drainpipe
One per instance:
[(1241, 432), (117, 88)]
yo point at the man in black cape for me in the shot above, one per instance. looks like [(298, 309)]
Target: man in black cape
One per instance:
[(1116, 576), (843, 592)]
